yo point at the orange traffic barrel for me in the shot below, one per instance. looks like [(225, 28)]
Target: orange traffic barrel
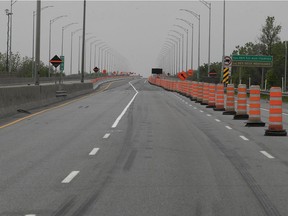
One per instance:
[(275, 127), (211, 100), (200, 93), (205, 94), (219, 104), (254, 108), (194, 91), (230, 100), (241, 113)]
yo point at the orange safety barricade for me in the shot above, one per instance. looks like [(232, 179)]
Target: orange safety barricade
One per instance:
[(241, 113), (230, 100), (254, 108), (205, 94), (200, 92), (211, 100), (195, 91), (190, 89), (275, 127), (219, 105)]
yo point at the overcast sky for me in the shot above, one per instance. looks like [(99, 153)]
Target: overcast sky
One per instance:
[(138, 29)]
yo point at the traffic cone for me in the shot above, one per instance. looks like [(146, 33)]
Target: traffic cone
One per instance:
[(211, 100), (200, 93), (230, 101), (195, 91), (254, 108), (275, 127), (241, 113), (205, 94), (219, 105)]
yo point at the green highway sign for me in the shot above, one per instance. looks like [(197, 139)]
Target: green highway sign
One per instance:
[(252, 61), (62, 63)]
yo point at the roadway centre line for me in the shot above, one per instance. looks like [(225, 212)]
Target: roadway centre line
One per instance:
[(70, 177), (126, 108), (267, 154), (244, 138), (106, 136), (94, 151), (228, 127)]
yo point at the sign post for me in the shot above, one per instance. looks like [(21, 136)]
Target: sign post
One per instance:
[(56, 61)]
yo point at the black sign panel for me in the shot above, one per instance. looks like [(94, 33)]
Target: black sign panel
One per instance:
[(156, 70), (56, 61)]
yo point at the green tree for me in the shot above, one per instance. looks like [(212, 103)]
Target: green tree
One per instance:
[(270, 34)]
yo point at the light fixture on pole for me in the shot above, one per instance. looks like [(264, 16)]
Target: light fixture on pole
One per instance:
[(91, 54), (50, 37), (197, 17), (79, 51)]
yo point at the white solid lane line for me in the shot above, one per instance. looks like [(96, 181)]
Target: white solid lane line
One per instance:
[(267, 154), (244, 138), (126, 108), (228, 127), (217, 120), (106, 136), (30, 215), (94, 151), (70, 177)]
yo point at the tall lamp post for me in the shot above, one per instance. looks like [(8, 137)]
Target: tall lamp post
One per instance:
[(182, 36), (10, 35), (197, 17), (79, 51), (192, 37), (62, 42), (178, 39), (83, 41), (71, 48), (91, 54), (50, 24), (33, 38), (175, 43), (186, 30), (95, 53)]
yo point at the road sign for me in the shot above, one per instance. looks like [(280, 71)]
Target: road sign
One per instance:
[(62, 63), (95, 69), (212, 73), (225, 75), (252, 61), (55, 61), (227, 61)]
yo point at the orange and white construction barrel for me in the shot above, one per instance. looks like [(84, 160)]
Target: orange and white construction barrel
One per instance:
[(241, 113)]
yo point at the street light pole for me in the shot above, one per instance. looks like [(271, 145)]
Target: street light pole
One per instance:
[(208, 5), (8, 38), (186, 30), (197, 17), (91, 53), (33, 39), (83, 41), (62, 42), (178, 50), (71, 48), (192, 38), (223, 54), (182, 35), (38, 33)]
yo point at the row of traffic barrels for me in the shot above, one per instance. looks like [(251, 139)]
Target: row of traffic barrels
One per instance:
[(213, 96)]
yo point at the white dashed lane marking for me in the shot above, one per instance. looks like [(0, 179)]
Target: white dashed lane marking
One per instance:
[(244, 138), (267, 154)]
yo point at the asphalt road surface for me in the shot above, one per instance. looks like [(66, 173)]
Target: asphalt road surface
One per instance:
[(133, 149)]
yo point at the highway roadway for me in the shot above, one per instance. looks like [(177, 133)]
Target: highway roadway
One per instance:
[(134, 149)]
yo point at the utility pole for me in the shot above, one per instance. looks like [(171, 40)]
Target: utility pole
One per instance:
[(83, 42), (37, 53)]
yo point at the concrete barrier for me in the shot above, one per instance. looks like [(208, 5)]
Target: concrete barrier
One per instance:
[(30, 97)]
